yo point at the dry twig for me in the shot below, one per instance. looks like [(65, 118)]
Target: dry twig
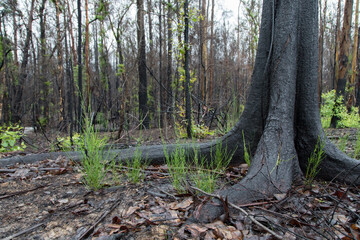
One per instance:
[(243, 211)]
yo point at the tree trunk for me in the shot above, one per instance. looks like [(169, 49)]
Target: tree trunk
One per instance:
[(161, 80), (340, 81), (44, 102), (203, 51), (60, 68), (212, 57), (321, 47), (354, 67), (187, 71), (143, 108), (71, 34), (87, 57), (80, 94), (169, 98), (18, 87)]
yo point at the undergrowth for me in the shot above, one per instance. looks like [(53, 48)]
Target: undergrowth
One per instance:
[(334, 106), (314, 161), (9, 136)]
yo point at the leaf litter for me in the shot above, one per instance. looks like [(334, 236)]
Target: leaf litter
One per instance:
[(46, 200)]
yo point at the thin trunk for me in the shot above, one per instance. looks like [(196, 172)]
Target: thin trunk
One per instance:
[(71, 32), (337, 46), (161, 81), (212, 61), (44, 83), (143, 108), (87, 66), (187, 71), (203, 54), (60, 69), (80, 94), (16, 102), (321, 47), (169, 98), (68, 82), (344, 56), (15, 36), (151, 43), (354, 67)]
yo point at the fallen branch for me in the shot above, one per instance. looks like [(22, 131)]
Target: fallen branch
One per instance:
[(24, 231), (22, 192), (92, 228), (7, 170), (241, 210)]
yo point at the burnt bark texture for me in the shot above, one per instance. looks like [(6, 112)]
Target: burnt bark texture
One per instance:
[(143, 108)]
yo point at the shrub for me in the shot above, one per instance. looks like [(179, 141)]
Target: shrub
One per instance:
[(334, 106), (8, 138), (96, 160), (64, 143)]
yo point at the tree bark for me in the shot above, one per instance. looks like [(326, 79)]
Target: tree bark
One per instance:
[(18, 87), (187, 71), (80, 94), (87, 57), (340, 81), (321, 46), (44, 102), (143, 108), (169, 97), (354, 67)]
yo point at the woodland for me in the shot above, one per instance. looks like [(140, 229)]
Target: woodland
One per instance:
[(179, 119)]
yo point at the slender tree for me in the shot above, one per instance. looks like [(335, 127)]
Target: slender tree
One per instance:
[(187, 71), (169, 97), (354, 65), (44, 82), (321, 45), (80, 94), (143, 108), (340, 81), (18, 87)]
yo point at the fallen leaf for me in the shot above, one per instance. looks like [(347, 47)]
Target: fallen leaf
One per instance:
[(130, 211), (184, 204), (63, 201), (280, 196)]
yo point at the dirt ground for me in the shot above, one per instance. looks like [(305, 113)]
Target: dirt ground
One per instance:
[(47, 200)]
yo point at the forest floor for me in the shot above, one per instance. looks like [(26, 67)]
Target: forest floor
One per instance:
[(46, 200)]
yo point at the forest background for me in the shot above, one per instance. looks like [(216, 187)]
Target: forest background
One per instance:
[(45, 43)]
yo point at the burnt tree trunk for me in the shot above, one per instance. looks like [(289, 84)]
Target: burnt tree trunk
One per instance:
[(285, 123), (143, 107)]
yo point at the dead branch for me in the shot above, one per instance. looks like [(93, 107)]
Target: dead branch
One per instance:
[(241, 210), (92, 228), (24, 231)]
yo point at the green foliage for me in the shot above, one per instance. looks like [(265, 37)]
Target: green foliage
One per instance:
[(314, 161), (206, 173), (334, 106), (198, 130), (136, 166), (65, 144), (176, 163), (357, 146), (202, 177), (247, 155), (9, 135), (222, 157), (96, 161), (342, 142)]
